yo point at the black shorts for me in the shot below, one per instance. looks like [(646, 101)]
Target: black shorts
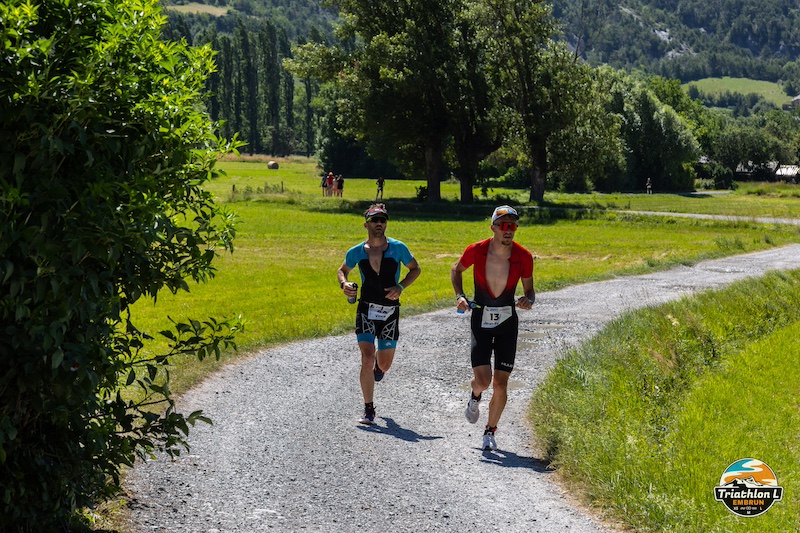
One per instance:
[(501, 339), (386, 332)]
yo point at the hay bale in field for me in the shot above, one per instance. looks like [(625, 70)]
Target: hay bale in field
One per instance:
[(272, 165)]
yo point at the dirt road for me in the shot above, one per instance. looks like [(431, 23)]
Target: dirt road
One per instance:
[(285, 452)]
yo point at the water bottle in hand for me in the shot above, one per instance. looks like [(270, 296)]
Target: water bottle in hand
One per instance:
[(471, 305), (352, 299)]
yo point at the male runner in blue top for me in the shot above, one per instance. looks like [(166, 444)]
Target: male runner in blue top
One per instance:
[(498, 265), (378, 313)]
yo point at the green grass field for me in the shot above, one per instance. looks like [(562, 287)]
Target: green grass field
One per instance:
[(195, 7), (772, 92)]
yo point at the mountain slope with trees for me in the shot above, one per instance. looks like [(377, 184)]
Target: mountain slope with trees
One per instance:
[(295, 17), (688, 39)]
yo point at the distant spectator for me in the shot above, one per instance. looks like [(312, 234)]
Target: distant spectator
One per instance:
[(329, 184), (380, 188), (324, 184), (339, 185), (649, 186)]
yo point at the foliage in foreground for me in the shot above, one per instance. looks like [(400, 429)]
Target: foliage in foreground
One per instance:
[(103, 152), (647, 415)]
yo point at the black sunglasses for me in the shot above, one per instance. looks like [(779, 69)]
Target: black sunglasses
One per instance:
[(378, 220)]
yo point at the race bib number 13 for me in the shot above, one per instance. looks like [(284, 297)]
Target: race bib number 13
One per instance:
[(494, 316)]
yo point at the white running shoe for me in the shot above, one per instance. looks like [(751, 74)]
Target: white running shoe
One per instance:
[(472, 412), (489, 443)]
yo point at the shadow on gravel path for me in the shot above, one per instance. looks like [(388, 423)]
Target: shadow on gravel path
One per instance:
[(394, 429), (512, 460)]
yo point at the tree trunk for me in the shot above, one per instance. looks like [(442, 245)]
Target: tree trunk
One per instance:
[(468, 170), (538, 171), (537, 185), (467, 179), (433, 165), (471, 149)]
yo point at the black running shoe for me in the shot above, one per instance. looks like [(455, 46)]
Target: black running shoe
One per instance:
[(368, 417), (378, 372)]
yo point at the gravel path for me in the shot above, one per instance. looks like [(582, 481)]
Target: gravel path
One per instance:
[(285, 452), (727, 218)]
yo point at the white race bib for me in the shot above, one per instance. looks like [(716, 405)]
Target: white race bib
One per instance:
[(380, 312), (494, 316)]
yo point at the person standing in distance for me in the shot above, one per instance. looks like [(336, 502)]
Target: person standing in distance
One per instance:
[(380, 181), (378, 312), (498, 264)]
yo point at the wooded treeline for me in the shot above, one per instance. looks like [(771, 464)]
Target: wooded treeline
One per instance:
[(251, 94), (477, 89)]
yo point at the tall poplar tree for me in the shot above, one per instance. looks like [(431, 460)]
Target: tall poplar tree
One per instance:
[(287, 95), (213, 84), (247, 92), (311, 86), (270, 75), (225, 92)]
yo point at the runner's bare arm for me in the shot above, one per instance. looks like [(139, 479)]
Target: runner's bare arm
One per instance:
[(457, 279), (346, 286), (526, 301)]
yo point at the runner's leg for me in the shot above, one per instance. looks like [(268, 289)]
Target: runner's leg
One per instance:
[(499, 396), (482, 377), (366, 376), (385, 358)]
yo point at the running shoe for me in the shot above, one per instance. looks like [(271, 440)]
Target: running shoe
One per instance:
[(378, 372), (368, 417), (489, 443), (472, 412)]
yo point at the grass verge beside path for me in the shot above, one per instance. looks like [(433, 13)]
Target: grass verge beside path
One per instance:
[(645, 417)]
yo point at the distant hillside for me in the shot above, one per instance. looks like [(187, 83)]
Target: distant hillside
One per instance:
[(688, 39), (295, 17), (682, 39)]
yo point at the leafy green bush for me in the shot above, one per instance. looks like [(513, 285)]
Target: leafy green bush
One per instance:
[(103, 151), (704, 185)]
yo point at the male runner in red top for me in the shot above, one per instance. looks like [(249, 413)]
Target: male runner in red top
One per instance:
[(499, 264)]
